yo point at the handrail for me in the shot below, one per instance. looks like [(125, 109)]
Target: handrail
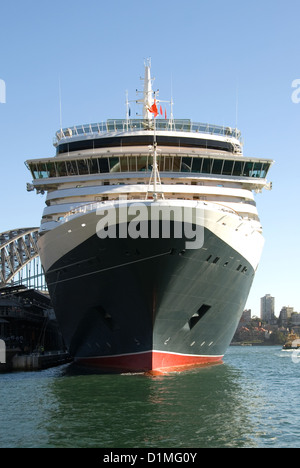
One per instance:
[(83, 209)]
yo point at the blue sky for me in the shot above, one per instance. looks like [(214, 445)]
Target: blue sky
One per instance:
[(225, 61)]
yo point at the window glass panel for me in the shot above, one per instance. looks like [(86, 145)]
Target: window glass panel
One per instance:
[(34, 171), (168, 164), (124, 164), (197, 162), (42, 172), (38, 171), (83, 167), (94, 166), (114, 164), (177, 163), (248, 169), (237, 170), (206, 166), (227, 168), (51, 169), (61, 169), (256, 170), (186, 164), (142, 163), (103, 165), (71, 167), (265, 170), (132, 163), (217, 166)]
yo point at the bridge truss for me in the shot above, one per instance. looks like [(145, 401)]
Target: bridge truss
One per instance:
[(19, 259)]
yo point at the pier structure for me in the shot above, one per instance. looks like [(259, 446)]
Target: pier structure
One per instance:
[(28, 326)]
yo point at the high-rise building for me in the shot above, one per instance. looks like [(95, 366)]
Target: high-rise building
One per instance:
[(285, 315), (267, 308)]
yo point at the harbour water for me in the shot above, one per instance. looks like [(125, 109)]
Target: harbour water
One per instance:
[(251, 400)]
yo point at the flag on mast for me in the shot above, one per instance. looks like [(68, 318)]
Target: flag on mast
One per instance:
[(153, 109)]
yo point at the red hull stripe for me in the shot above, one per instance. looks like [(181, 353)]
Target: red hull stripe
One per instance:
[(148, 361)]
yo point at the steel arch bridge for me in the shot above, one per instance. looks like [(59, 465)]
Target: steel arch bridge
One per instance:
[(19, 259)]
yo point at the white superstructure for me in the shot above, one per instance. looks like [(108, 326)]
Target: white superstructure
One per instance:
[(197, 165)]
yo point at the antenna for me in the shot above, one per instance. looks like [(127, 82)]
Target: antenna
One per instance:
[(236, 107), (171, 120), (60, 111)]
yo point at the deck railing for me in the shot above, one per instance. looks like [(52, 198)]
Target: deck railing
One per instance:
[(133, 125)]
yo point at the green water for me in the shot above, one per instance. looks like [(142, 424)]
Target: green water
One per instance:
[(252, 400)]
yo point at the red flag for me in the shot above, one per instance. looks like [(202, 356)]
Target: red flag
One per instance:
[(153, 109), (166, 114), (160, 110)]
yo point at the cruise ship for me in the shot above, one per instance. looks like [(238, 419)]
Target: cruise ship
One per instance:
[(150, 237)]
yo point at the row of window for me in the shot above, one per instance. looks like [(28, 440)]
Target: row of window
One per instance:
[(144, 164), (215, 260)]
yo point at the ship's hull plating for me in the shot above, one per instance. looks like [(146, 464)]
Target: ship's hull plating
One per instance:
[(149, 304)]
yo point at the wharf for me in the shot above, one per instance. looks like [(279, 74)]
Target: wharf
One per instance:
[(35, 361)]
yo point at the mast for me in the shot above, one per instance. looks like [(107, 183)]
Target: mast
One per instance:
[(148, 98), (149, 113), (149, 102)]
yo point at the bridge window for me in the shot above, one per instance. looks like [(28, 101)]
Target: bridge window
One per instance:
[(186, 164), (206, 167), (237, 169), (132, 164), (94, 168), (197, 164), (143, 163), (217, 166), (103, 165), (256, 170), (114, 164), (61, 168), (124, 164), (264, 170), (83, 167), (177, 164), (248, 169), (40, 171), (72, 168), (227, 168), (161, 163)]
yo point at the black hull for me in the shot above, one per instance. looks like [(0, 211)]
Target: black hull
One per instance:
[(119, 302)]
